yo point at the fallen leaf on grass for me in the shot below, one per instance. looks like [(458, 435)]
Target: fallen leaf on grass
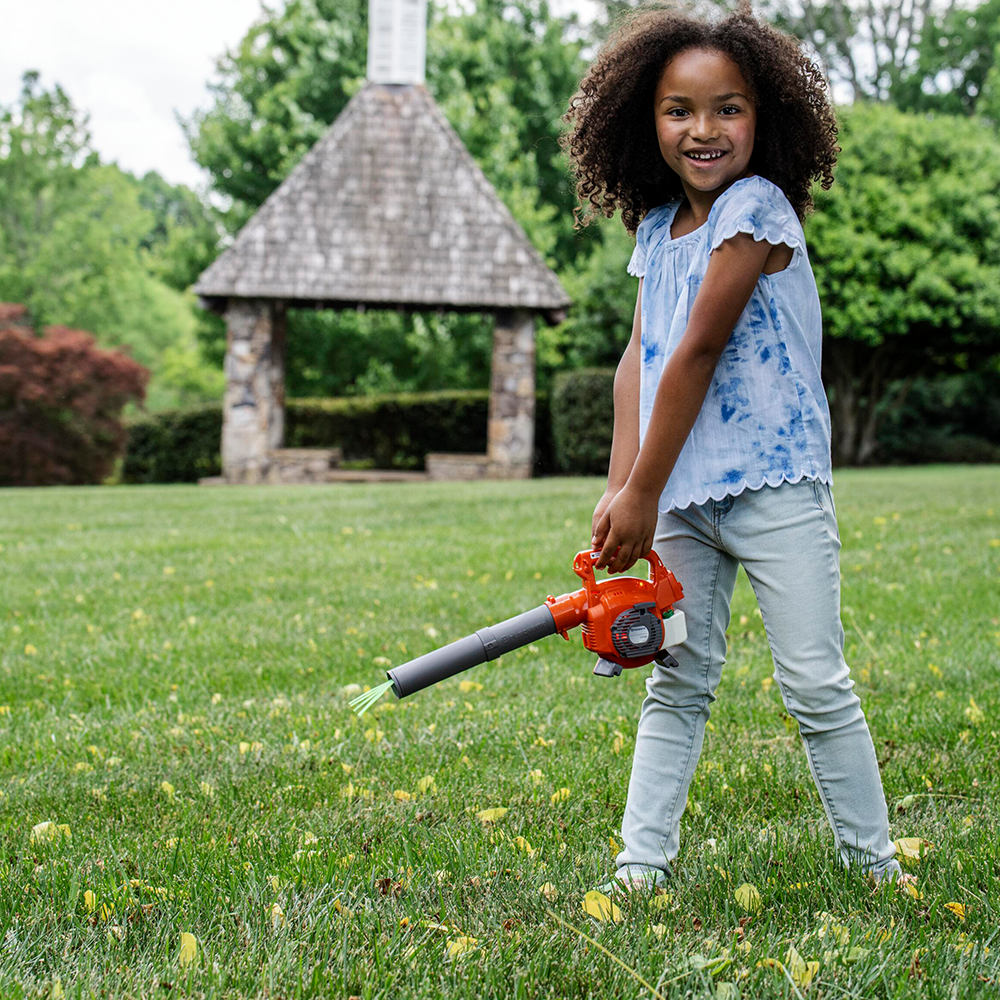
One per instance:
[(549, 891), (461, 945), (802, 972), (189, 948), (974, 713), (598, 905), (748, 896), (913, 848), (523, 845), (491, 815), (957, 908), (48, 830)]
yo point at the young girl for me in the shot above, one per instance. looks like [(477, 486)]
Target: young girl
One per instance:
[(707, 137)]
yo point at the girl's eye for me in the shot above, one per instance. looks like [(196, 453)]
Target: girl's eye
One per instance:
[(681, 111)]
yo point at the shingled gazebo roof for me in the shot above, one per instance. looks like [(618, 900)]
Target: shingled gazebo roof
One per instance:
[(388, 210)]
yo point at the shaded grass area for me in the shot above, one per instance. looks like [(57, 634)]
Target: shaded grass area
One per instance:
[(175, 667)]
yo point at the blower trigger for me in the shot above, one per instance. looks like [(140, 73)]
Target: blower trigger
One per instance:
[(666, 660), (607, 668)]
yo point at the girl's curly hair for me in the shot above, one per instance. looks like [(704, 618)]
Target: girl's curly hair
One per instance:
[(613, 147)]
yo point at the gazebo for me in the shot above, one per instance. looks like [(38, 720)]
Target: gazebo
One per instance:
[(387, 210)]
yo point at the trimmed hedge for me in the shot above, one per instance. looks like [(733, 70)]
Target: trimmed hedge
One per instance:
[(582, 420), (175, 446), (394, 431)]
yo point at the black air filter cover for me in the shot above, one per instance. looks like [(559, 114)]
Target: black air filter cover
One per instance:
[(638, 631)]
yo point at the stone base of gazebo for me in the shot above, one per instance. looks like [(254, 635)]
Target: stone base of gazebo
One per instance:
[(302, 465), (457, 467)]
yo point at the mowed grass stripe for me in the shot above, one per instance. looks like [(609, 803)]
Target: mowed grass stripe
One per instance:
[(175, 674)]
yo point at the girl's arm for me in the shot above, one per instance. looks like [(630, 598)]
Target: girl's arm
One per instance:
[(628, 524), (625, 438)]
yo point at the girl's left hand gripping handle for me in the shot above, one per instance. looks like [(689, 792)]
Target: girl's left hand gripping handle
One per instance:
[(486, 644)]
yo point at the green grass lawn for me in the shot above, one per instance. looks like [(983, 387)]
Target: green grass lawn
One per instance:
[(175, 668)]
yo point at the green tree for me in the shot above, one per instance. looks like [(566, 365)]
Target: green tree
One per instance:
[(957, 69), (906, 251), (185, 234), (74, 240), (276, 94), (185, 238)]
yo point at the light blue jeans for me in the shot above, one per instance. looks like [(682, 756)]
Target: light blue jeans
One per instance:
[(786, 538)]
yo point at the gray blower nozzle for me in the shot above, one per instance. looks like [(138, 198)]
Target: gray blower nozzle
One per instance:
[(486, 644)]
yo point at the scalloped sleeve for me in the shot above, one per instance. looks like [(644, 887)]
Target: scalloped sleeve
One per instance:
[(760, 209), (637, 264)]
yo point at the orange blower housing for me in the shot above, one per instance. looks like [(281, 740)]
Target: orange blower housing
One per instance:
[(621, 618), (624, 621)]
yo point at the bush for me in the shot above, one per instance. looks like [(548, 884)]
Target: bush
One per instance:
[(61, 399), (175, 446), (392, 431), (582, 424), (395, 430), (944, 418)]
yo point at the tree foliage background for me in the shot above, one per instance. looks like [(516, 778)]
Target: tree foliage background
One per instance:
[(88, 246), (904, 246)]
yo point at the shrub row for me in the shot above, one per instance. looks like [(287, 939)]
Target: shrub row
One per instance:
[(573, 429), (392, 431)]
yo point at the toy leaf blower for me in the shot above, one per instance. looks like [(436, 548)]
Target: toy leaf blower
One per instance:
[(626, 621)]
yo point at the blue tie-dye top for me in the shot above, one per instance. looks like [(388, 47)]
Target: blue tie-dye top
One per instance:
[(765, 418)]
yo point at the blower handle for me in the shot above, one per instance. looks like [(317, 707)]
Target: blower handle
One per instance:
[(583, 566)]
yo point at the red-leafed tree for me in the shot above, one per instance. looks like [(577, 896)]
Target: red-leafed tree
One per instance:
[(61, 400)]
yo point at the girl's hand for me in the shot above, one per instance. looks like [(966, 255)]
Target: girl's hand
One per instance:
[(626, 529), (602, 506)]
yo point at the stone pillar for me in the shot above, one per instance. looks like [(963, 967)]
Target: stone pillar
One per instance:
[(253, 412), (512, 396)]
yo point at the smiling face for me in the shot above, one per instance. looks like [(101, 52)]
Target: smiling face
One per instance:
[(705, 122)]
